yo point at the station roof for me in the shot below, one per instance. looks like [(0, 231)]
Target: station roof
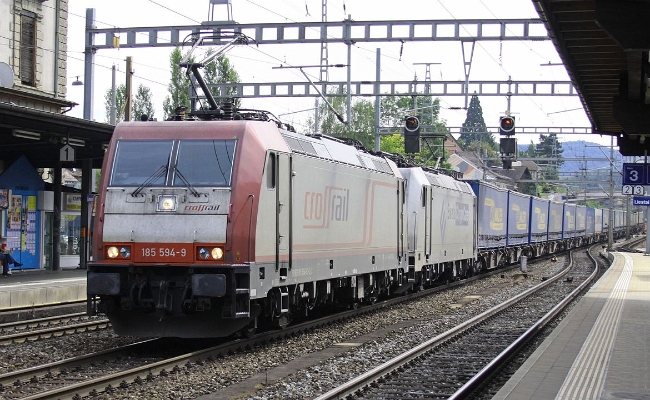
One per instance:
[(604, 45), (41, 135)]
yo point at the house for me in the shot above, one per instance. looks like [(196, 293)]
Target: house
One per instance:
[(474, 167), (33, 39)]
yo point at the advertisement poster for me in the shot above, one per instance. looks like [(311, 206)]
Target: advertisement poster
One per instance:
[(14, 216), (29, 237), (4, 198)]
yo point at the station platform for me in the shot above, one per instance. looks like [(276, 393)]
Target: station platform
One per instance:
[(601, 350), (39, 287)]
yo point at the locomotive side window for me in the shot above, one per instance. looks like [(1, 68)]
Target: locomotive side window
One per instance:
[(270, 171), (205, 162), (137, 162)]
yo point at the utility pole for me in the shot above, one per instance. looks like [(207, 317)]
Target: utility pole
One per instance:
[(113, 108), (377, 101), (324, 72), (428, 106), (348, 41), (127, 101), (467, 65)]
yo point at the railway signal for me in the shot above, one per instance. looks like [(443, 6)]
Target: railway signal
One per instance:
[(507, 144), (507, 125), (412, 134)]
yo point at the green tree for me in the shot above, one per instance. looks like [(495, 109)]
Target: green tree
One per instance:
[(530, 151), (120, 102), (142, 103), (393, 143), (218, 71), (394, 109), (550, 148), (529, 187), (178, 86), (221, 71), (362, 126), (329, 122), (474, 135)]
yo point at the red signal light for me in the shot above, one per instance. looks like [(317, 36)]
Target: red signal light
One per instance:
[(507, 125), (412, 124)]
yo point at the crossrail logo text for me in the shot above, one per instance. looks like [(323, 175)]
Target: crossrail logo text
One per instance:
[(201, 208), (333, 204)]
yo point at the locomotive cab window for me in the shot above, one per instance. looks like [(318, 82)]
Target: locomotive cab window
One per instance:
[(270, 171), (204, 162), (157, 162), (137, 162)]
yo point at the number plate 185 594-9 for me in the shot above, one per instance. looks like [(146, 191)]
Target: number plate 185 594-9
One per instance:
[(163, 252)]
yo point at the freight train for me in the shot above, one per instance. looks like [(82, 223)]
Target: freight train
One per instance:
[(211, 228)]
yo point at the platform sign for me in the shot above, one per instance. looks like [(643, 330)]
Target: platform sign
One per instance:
[(633, 189), (635, 174), (66, 153), (641, 201)]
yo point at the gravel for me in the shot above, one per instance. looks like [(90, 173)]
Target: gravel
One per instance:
[(431, 316)]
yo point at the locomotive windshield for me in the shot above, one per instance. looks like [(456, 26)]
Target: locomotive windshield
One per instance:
[(137, 162), (204, 162), (173, 163)]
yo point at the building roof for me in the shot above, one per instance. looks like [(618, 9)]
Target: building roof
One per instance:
[(41, 135)]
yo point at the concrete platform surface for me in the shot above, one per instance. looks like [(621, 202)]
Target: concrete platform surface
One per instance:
[(30, 288), (601, 349)]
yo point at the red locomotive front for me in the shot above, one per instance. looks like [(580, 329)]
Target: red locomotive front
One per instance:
[(171, 239)]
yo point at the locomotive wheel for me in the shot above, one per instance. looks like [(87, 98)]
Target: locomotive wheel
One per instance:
[(249, 330), (282, 322)]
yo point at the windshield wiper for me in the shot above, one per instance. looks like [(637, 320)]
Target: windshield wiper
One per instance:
[(162, 171), (194, 192)]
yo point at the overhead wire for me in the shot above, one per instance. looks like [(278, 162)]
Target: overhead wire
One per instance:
[(364, 50), (174, 11), (491, 57), (135, 63)]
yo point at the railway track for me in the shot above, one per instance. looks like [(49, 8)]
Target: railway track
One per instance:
[(631, 245), (18, 332), (19, 314), (80, 376), (457, 362)]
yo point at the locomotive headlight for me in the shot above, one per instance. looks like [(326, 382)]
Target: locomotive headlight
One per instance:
[(204, 253), (123, 252), (217, 253), (210, 253), (166, 203), (112, 252)]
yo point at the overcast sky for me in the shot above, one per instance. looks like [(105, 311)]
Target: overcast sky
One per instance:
[(492, 60)]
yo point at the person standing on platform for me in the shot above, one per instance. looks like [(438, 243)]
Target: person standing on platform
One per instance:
[(6, 259)]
